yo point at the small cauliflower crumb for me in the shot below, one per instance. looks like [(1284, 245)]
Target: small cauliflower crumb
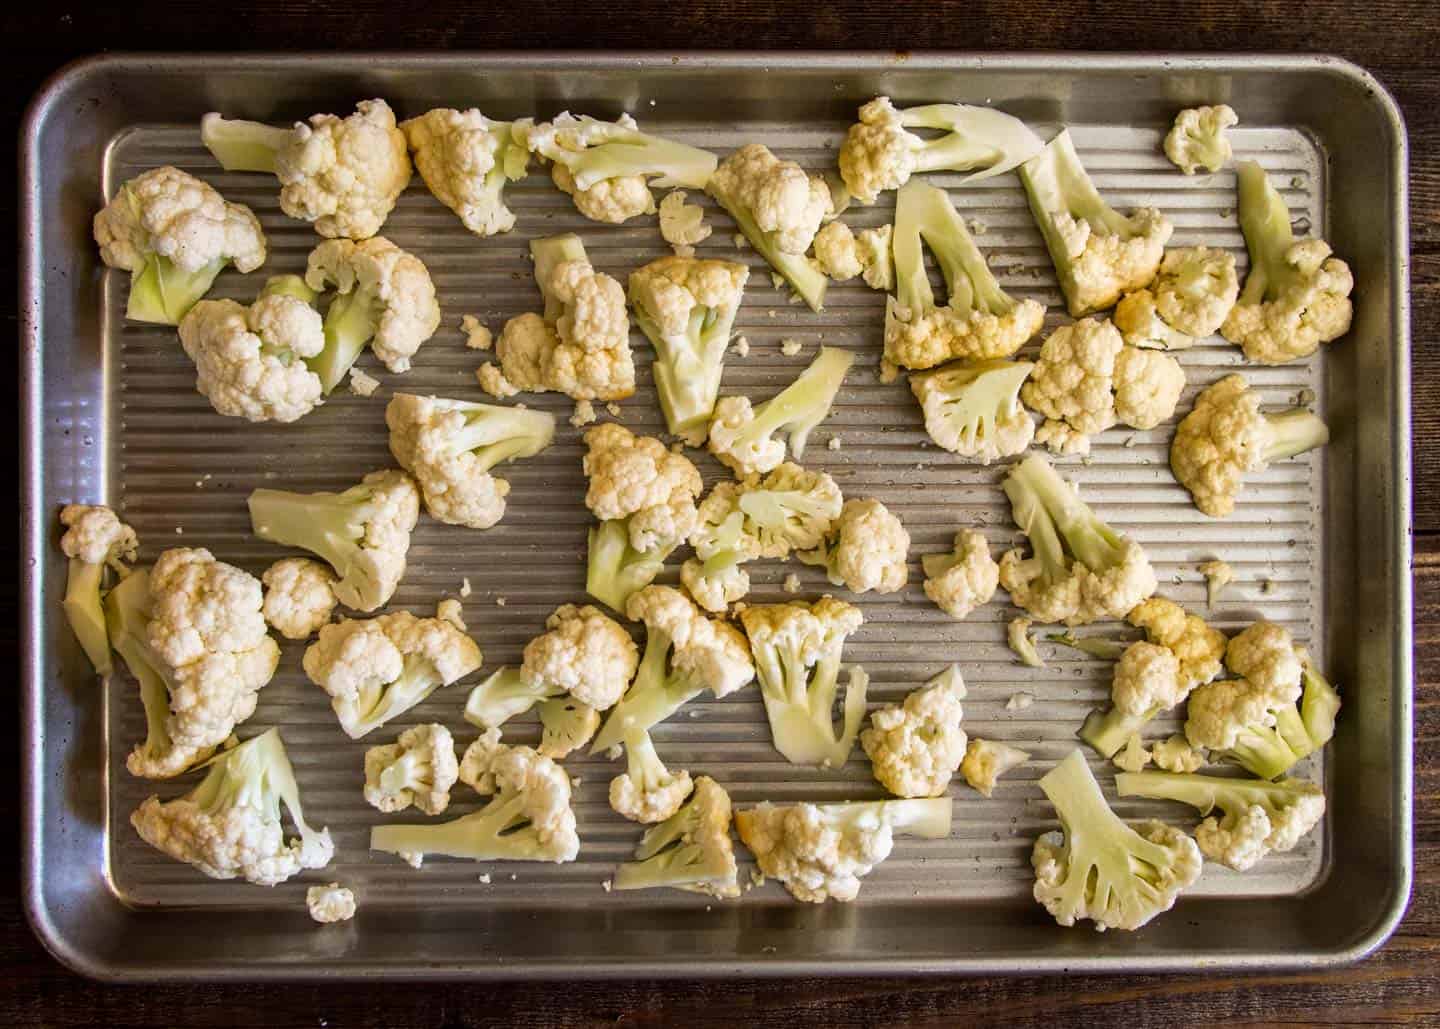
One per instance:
[(777, 280), (332, 903), (986, 761), (834, 443), (978, 228), (741, 243), (584, 414), (889, 371), (1023, 644), (790, 347), (179, 531), (492, 380), (742, 347), (683, 250), (465, 590), (615, 752), (1134, 757), (757, 877), (363, 385), (792, 583), (1218, 575), (575, 781), (485, 878), (682, 224), (612, 409), (607, 885), (477, 336), (1019, 701), (1177, 755), (499, 601), (449, 610)]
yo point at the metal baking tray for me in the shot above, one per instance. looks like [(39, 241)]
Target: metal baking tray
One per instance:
[(109, 413)]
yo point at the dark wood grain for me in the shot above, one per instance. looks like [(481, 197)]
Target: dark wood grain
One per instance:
[(1396, 40)]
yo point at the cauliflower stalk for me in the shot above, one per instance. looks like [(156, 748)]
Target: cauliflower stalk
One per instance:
[(529, 819), (1296, 295), (342, 174), (686, 307), (1197, 139), (250, 362), (690, 850), (915, 747), (1225, 436), (778, 208), (1098, 253), (599, 156), (742, 436), (685, 654), (451, 446), (229, 826), (1081, 570), (797, 649), (174, 234), (385, 298), (467, 160), (362, 533), (1256, 818), (1120, 876), (979, 322), (880, 152), (973, 408), (866, 549), (191, 632), (964, 579), (644, 496), (820, 852), (94, 540), (377, 669), (579, 345), (647, 791), (419, 768)]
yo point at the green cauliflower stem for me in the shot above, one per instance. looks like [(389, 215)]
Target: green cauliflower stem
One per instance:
[(690, 850), (94, 540), (1100, 868), (503, 696), (979, 320), (614, 569), (243, 146), (595, 150), (1098, 253)]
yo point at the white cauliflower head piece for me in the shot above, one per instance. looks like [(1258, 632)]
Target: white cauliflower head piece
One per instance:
[(466, 159), (393, 286), (986, 761), (1265, 654), (585, 653), (299, 596), (639, 478), (964, 579), (419, 768), (1147, 386), (867, 549), (784, 200), (1197, 140), (915, 747), (1073, 381)]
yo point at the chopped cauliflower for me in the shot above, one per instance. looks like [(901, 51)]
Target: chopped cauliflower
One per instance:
[(690, 850), (477, 336), (466, 161), (786, 203), (742, 436), (1195, 289), (1265, 654), (376, 669), (682, 224), (95, 539), (174, 234), (1148, 385), (361, 384), (229, 825), (342, 174), (1225, 436), (450, 610), (986, 761), (867, 549), (647, 791), (791, 347), (1296, 295), (1137, 318), (1133, 757), (915, 747), (419, 768), (583, 415), (1218, 575), (974, 409), (714, 591), (1022, 643), (1220, 713), (1197, 140), (330, 903), (1175, 754), (585, 654), (299, 596), (1197, 647), (837, 251), (611, 201), (965, 578)]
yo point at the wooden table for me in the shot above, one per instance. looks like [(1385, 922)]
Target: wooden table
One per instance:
[(1395, 39)]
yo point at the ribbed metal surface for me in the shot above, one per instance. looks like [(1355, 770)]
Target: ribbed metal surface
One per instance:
[(182, 473)]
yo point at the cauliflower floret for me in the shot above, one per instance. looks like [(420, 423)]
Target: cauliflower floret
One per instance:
[(785, 202), (714, 591), (417, 769), (466, 159), (866, 549), (1220, 712), (915, 748), (875, 257), (612, 201), (1147, 387), (682, 224), (249, 362), (647, 791), (820, 852), (94, 540), (974, 409), (201, 606), (1265, 654), (229, 826), (1218, 574), (95, 535), (477, 335), (986, 761), (1147, 677), (1197, 646), (1138, 320), (690, 850), (1296, 295), (632, 475), (837, 251), (924, 339), (585, 654), (1197, 139), (1133, 757), (1175, 754), (1073, 380), (1225, 436), (377, 669), (742, 437), (174, 234), (965, 578), (451, 447), (1195, 289), (388, 298), (330, 903), (299, 596), (342, 174)]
